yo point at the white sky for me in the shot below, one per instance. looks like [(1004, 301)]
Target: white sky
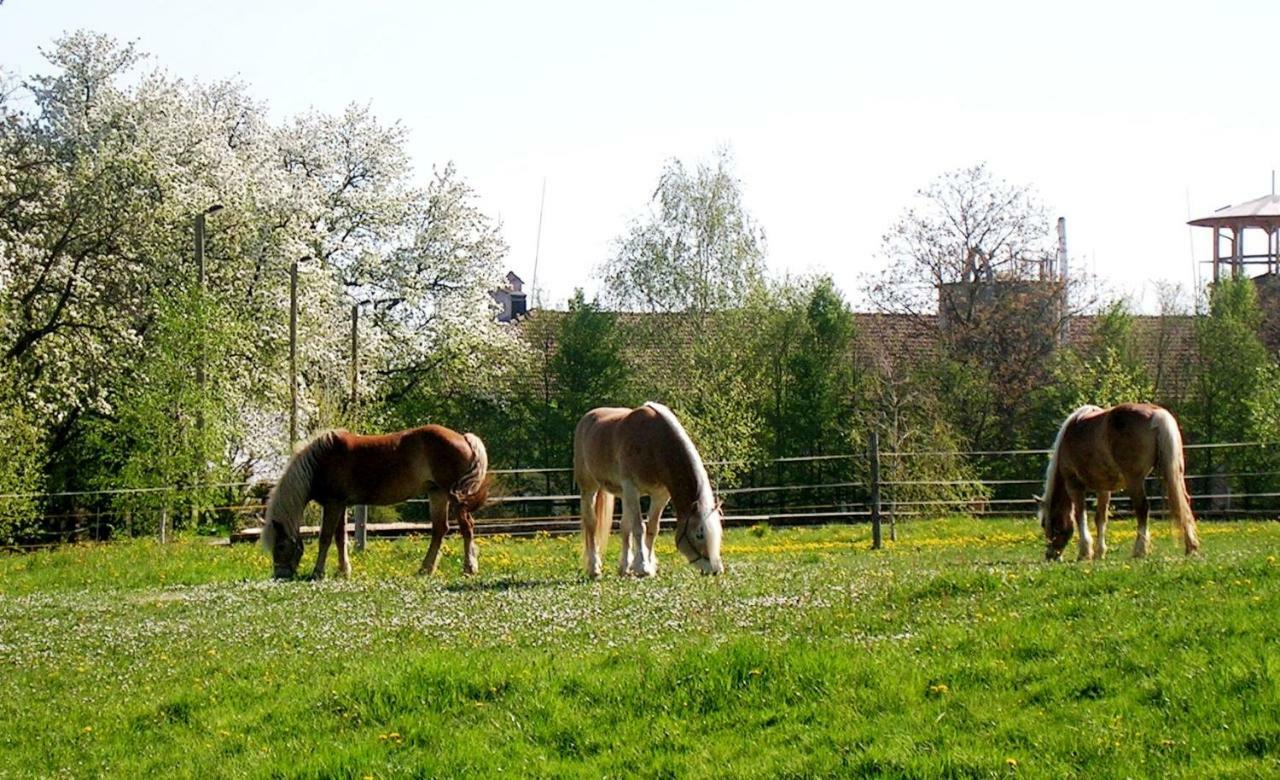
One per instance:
[(1123, 115)]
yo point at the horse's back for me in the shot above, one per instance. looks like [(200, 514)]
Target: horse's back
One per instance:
[(1111, 446), (614, 444), (391, 467)]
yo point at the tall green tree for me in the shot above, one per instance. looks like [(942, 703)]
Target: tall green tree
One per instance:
[(104, 166), (1228, 363), (972, 255), (1230, 398), (812, 371), (1108, 370), (697, 250), (587, 369)]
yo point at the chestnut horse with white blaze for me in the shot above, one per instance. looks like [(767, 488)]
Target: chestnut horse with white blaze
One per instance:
[(1105, 450), (338, 469), (643, 451)]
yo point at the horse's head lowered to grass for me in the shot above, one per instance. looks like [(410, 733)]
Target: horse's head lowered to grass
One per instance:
[(286, 551), (1056, 523), (698, 535)]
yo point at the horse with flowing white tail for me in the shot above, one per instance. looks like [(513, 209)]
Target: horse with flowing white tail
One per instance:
[(338, 469), (1105, 450), (643, 451)]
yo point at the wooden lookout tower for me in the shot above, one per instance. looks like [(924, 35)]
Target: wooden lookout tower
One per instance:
[(1232, 225)]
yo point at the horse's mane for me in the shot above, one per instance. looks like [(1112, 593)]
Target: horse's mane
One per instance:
[(290, 495), (706, 499), (1052, 469)]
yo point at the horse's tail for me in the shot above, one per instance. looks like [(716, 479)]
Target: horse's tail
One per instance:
[(1169, 459), (290, 495), (604, 519), (471, 490)]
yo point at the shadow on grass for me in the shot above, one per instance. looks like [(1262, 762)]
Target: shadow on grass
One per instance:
[(502, 585)]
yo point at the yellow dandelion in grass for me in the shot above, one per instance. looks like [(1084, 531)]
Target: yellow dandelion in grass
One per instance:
[(939, 689), (1012, 763), (87, 729), (1271, 559)]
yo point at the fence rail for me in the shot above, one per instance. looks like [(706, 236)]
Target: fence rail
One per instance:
[(1233, 479)]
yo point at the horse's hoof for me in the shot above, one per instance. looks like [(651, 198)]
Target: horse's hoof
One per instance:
[(316, 576)]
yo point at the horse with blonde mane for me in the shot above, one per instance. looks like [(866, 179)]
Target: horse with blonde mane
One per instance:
[(338, 469), (643, 451), (1105, 450)]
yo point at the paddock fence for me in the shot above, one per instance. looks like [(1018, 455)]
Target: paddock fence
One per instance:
[(878, 486)]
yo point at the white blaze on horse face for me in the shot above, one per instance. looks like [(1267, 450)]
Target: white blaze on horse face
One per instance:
[(706, 540)]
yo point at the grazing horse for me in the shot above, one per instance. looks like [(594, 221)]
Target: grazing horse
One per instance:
[(338, 469), (635, 451), (1106, 450)]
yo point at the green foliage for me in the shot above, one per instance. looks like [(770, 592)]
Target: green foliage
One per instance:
[(587, 369), (1107, 372), (1229, 357), (167, 430), (21, 468), (705, 375), (911, 407), (808, 348), (698, 249)]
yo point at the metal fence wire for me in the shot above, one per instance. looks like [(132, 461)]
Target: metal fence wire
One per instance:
[(1230, 479)]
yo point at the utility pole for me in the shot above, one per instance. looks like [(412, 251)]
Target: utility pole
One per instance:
[(360, 513), (293, 353), (355, 357), (200, 285), (877, 538), (198, 250)]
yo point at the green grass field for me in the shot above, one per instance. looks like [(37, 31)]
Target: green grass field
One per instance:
[(956, 653)]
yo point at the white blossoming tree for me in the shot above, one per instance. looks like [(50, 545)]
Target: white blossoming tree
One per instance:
[(103, 173)]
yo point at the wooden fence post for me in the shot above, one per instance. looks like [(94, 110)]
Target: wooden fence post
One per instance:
[(360, 514), (164, 524), (877, 537)]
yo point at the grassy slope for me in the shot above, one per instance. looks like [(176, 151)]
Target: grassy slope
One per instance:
[(956, 653)]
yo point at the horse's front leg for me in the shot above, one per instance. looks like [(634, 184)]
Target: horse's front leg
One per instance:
[(333, 515), (1085, 549), (439, 527), (657, 503), (1141, 507), (631, 551), (340, 542), (1100, 522)]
